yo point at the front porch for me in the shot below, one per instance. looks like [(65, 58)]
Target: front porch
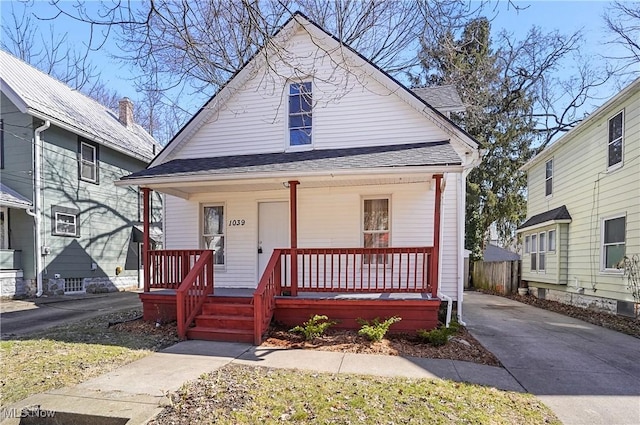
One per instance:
[(343, 283)]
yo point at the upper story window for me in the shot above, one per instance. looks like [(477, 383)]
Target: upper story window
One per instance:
[(548, 178), (1, 143), (213, 231), (616, 145), (88, 162), (613, 242), (300, 113), (376, 228)]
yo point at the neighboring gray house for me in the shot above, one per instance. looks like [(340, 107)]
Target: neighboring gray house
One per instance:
[(584, 210), (65, 227)]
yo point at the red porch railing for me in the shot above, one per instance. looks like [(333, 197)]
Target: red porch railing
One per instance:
[(193, 291), (363, 270), (264, 302), (166, 269)]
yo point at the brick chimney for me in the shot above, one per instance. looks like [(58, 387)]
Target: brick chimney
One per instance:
[(125, 109)]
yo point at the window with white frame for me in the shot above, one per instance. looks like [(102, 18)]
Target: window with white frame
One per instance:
[(534, 251), (613, 242), (213, 231), (64, 221), (88, 162), (548, 178), (300, 113), (376, 227), (551, 235), (615, 145), (526, 244), (541, 251)]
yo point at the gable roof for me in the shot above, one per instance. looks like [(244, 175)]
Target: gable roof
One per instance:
[(42, 96), (11, 198), (316, 32), (557, 214), (388, 156), (443, 98), (630, 90)]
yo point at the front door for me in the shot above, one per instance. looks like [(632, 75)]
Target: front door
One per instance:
[(273, 231)]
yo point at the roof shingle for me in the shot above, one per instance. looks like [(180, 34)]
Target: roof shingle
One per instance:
[(560, 213)]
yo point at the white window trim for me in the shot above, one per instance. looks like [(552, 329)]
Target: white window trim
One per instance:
[(362, 231), (94, 162), (550, 195), (603, 269), (533, 252), (527, 246), (75, 224), (542, 251), (621, 163), (288, 146), (555, 240), (223, 266)]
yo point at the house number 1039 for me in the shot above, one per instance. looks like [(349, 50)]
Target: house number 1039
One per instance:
[(236, 222)]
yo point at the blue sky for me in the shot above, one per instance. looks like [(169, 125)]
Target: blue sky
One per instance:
[(566, 16)]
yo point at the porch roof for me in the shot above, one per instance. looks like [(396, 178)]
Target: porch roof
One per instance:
[(432, 154), (560, 214), (11, 198)]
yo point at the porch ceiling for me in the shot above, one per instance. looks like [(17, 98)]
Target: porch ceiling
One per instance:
[(189, 189)]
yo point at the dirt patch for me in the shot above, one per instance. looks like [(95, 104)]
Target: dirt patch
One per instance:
[(462, 346)]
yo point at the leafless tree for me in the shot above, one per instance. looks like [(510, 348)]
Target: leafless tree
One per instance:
[(622, 19)]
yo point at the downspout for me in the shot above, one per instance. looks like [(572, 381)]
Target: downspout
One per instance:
[(36, 213), (442, 295)]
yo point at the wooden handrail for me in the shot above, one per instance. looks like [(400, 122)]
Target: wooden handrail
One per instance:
[(364, 270), (264, 302), (167, 268), (193, 291)]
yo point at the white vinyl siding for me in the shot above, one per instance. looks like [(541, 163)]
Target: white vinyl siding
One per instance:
[(591, 193), (347, 112), (327, 217)]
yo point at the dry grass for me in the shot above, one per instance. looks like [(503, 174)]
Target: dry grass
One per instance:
[(67, 355), (238, 394)]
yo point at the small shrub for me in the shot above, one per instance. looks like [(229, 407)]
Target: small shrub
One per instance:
[(314, 327), (376, 330), (439, 336)]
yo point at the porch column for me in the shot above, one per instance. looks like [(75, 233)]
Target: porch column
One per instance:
[(435, 258), (293, 204), (145, 238)]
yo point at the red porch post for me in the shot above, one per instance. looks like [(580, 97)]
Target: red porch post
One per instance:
[(435, 258), (145, 238), (293, 204)]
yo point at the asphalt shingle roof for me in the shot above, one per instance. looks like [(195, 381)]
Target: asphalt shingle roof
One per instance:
[(560, 213), (11, 198), (440, 97), (415, 154), (493, 253), (49, 97)]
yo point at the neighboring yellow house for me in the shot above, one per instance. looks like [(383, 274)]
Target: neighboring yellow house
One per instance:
[(584, 210)]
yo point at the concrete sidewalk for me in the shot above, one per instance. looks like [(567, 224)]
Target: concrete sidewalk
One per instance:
[(138, 390), (586, 374)]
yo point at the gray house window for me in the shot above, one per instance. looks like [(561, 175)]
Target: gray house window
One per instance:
[(548, 178), (64, 221), (300, 106), (88, 169), (616, 146)]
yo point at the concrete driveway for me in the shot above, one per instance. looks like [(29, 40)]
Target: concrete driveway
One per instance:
[(19, 317), (586, 374)]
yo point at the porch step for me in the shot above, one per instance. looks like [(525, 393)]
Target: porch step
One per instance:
[(219, 321), (219, 308), (218, 334)]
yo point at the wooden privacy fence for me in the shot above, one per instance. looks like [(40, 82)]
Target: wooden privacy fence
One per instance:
[(499, 276)]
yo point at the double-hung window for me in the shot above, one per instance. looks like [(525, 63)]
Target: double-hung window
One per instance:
[(64, 221), (541, 251), (548, 178), (613, 242), (551, 243), (300, 113), (616, 145), (527, 248), (88, 162), (376, 228), (213, 231)]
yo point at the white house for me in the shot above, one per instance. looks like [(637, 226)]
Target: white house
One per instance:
[(312, 149), (584, 210)]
